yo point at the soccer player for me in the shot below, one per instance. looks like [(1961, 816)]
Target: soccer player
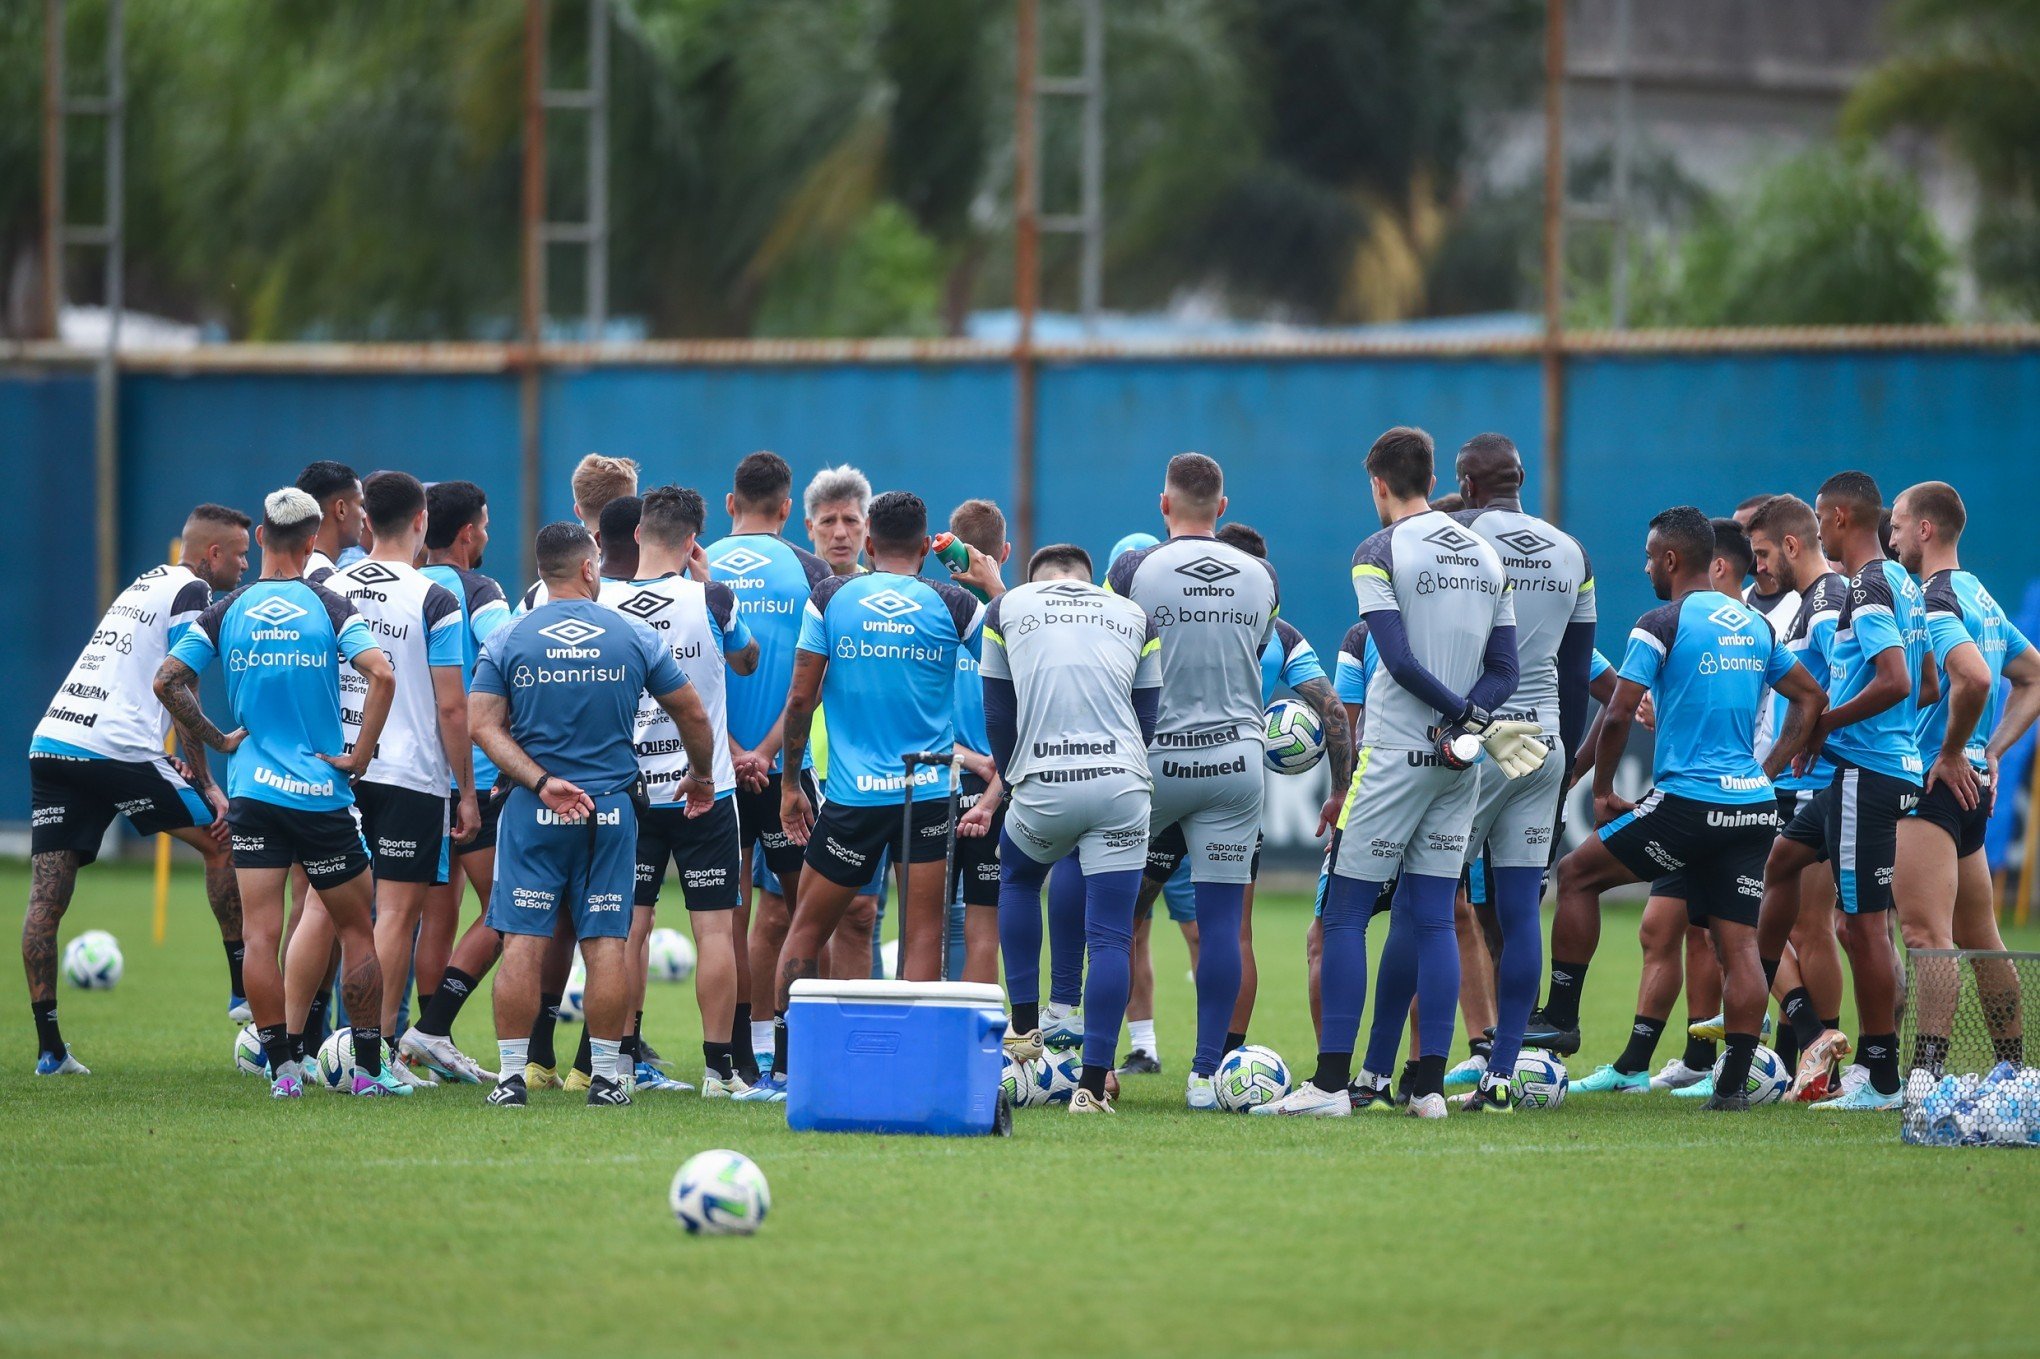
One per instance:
[(1880, 643), (338, 493), (1214, 609), (289, 796), (1515, 819), (456, 535), (696, 618), (555, 703), (1707, 659), (771, 580), (880, 650), (97, 753), (1943, 889), (1071, 674), (597, 482), (981, 527), (1442, 622)]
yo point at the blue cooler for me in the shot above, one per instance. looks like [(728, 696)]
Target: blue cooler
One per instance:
[(895, 1057)]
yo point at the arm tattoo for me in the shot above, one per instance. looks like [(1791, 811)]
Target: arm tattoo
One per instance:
[(1332, 717), (177, 686)]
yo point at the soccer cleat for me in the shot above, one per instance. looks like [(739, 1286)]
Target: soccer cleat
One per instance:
[(1816, 1076), (394, 1060), (1540, 1034), (1064, 1032), (1371, 1094), (1853, 1075), (1715, 1030), (54, 1064), (1307, 1101), (1427, 1106), (510, 1093), (1700, 1089), (1467, 1074), (1727, 1104), (237, 1009), (438, 1054), (768, 1090), (604, 1093), (1489, 1097), (649, 1077), (1021, 1047), (577, 1080), (538, 1077), (1863, 1097), (715, 1086), (384, 1082), (289, 1083), (1676, 1075), (1403, 1083), (1140, 1062), (1606, 1078), (1083, 1101), (1199, 1093)]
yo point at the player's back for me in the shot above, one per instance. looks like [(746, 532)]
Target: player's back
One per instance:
[(1958, 608), (573, 672), (1452, 591), (692, 619), (1883, 610), (1214, 609), (771, 580), (1707, 660), (105, 706), (484, 607), (418, 624), (1553, 587), (890, 687), (1074, 653)]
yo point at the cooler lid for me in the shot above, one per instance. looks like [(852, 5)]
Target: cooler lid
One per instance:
[(948, 993)]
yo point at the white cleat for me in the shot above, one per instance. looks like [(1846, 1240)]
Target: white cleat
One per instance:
[(1060, 1028), (1428, 1106), (1307, 1101), (1083, 1101), (53, 1064), (414, 1076), (1200, 1093), (238, 1011), (1023, 1047), (437, 1053), (714, 1086), (1676, 1075)]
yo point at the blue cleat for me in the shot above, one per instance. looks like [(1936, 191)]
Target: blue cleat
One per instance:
[(59, 1064), (237, 1009), (1606, 1079), (768, 1090)]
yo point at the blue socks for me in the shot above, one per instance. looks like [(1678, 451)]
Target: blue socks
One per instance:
[(1517, 893), (1219, 907), (1020, 879), (1067, 927), (1108, 931), (1349, 904), (1420, 961)]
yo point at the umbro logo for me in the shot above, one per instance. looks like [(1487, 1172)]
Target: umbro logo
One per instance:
[(1207, 570), (1066, 589), (890, 603), (153, 573), (571, 632), (1525, 541), (275, 611), (1449, 538), (739, 561), (1729, 616), (371, 573), (645, 604)]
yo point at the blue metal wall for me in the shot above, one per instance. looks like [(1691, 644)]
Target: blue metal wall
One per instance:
[(1642, 433)]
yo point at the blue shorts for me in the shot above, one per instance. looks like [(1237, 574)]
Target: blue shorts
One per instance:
[(589, 870)]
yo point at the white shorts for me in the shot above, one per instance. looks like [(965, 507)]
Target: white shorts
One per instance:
[(1406, 812), (1213, 794), (1102, 814), (1513, 818)]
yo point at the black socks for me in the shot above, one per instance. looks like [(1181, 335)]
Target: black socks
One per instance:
[(1643, 1040), (454, 989), (1735, 1065), (236, 951), (1799, 1013), (541, 1052), (1334, 1071), (1562, 1003), (1026, 1019), (1879, 1054), (47, 1035)]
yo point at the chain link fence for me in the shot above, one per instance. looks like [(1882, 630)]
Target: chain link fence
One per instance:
[(1969, 1078)]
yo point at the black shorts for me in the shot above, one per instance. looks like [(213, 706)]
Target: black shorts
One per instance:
[(1718, 848), (1853, 824), (327, 843), (405, 830), (974, 880), (1938, 807), (758, 823), (492, 813), (846, 842), (704, 850), (1167, 851), (74, 799)]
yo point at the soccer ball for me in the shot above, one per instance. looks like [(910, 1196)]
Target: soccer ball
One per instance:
[(1540, 1081), (1024, 1083), (92, 961), (1292, 738), (1250, 1076), (1055, 1077), (670, 956), (889, 959), (720, 1193), (577, 987), (1768, 1079), (248, 1054), (336, 1059)]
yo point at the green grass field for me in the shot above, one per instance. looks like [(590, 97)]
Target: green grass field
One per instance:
[(166, 1206)]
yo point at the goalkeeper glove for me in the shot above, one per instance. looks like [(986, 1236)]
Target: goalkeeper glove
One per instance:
[(1515, 747)]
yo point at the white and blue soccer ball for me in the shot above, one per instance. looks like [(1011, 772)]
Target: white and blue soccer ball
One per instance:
[(669, 956), (572, 998), (1017, 1084), (1768, 1079), (1250, 1076), (1056, 1076), (1292, 738), (336, 1060), (1540, 1080), (92, 961), (249, 1058), (720, 1193)]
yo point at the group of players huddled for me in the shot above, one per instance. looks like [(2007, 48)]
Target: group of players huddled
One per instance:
[(742, 711)]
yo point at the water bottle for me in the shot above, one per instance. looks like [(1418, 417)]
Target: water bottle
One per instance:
[(955, 555)]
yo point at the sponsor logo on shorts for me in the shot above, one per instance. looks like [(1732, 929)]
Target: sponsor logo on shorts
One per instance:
[(1384, 849), (1124, 839), (134, 805), (1204, 769), (705, 877), (1755, 816), (546, 816), (1083, 775), (291, 783), (1223, 852), (1449, 844), (604, 903), (1048, 749), (842, 851), (1027, 834), (1884, 876), (1908, 801), (327, 867), (1747, 886), (1663, 857), (48, 816), (937, 831), (1195, 740), (1537, 835), (399, 849), (531, 899)]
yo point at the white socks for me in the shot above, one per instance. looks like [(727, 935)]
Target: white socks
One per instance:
[(603, 1054), (511, 1053), (761, 1036), (1143, 1037)]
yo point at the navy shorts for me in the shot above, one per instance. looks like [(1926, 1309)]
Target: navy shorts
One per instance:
[(588, 868), (1853, 824), (848, 844), (703, 849), (327, 843), (975, 879), (74, 799), (758, 824), (406, 831), (485, 838), (1717, 848), (1938, 807)]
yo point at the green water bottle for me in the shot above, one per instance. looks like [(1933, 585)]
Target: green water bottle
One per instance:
[(956, 556)]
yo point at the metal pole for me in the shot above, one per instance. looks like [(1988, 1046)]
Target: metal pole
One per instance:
[(52, 168), (1554, 259), (1619, 301), (1093, 281), (1026, 275), (597, 262), (106, 473), (533, 310)]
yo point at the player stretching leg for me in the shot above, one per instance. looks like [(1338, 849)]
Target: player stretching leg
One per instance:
[(1875, 668), (1441, 619), (1071, 676), (289, 798), (98, 754)]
